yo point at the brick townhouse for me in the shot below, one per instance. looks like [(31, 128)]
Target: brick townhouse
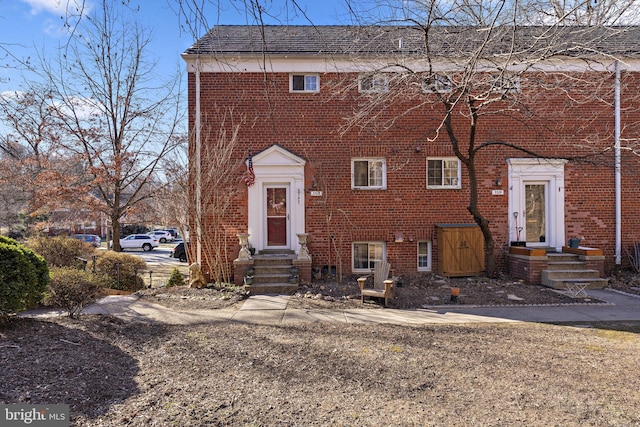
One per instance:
[(344, 130)]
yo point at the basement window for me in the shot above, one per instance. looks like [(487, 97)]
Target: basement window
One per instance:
[(424, 255), (366, 254)]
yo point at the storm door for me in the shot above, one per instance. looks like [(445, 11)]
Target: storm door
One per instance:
[(277, 215), (535, 213)]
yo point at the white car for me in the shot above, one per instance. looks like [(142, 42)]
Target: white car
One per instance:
[(162, 235), (138, 241)]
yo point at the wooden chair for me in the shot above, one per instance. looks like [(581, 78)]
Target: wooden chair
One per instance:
[(383, 287)]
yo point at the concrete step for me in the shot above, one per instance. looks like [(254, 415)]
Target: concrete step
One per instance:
[(561, 257), (275, 259), (566, 265), (271, 288), (570, 274), (561, 283), (270, 278), (272, 269)]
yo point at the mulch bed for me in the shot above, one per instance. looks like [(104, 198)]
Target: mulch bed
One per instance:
[(428, 290)]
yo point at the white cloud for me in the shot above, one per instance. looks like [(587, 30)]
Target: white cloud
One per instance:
[(59, 7)]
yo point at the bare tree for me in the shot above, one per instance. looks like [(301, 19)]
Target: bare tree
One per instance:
[(220, 189), (492, 67), (117, 120)]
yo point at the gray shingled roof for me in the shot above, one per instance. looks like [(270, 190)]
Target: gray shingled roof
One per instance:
[(442, 41)]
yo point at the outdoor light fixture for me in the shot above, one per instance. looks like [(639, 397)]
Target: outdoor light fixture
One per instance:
[(498, 182)]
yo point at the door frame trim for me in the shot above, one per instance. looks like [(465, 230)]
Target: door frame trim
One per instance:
[(276, 166), (551, 171)]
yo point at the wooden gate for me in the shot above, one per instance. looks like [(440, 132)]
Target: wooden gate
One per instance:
[(460, 250)]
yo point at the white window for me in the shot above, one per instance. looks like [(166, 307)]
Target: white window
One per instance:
[(436, 83), (369, 174), (373, 83), (304, 83), (505, 83), (443, 172), (365, 255), (424, 255)]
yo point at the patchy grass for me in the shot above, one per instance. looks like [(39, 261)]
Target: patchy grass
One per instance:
[(113, 372)]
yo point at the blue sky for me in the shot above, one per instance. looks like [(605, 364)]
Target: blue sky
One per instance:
[(26, 25)]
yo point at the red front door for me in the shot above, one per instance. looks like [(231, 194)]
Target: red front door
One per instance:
[(277, 215)]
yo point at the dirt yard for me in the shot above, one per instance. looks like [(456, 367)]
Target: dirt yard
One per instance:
[(114, 373)]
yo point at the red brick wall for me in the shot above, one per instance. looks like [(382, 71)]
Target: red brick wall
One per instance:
[(313, 126)]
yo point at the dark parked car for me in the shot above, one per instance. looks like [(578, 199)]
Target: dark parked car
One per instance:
[(89, 238), (180, 252)]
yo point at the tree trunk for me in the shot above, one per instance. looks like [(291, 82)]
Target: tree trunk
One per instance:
[(115, 235), (483, 223)]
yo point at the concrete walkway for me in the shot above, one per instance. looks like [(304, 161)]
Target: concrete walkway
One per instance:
[(272, 310)]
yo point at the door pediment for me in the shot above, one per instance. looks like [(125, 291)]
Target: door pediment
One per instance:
[(277, 156)]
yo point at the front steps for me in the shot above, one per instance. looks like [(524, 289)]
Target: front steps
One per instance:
[(272, 272), (563, 268)]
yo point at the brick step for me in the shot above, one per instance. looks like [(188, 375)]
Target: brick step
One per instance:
[(271, 288), (561, 284)]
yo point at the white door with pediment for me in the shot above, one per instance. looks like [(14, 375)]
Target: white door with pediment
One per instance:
[(276, 200), (536, 202)]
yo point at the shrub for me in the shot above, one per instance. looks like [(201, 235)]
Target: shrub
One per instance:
[(62, 251), (74, 289), (23, 277), (176, 278), (126, 276)]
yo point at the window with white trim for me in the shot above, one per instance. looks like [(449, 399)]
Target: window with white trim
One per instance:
[(304, 83), (424, 255), (507, 83), (436, 83), (443, 172), (368, 174), (365, 255), (373, 83)]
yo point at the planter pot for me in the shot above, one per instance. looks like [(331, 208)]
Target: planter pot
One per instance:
[(293, 280), (248, 280), (574, 243), (294, 271)]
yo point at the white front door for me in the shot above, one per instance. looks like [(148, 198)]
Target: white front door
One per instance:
[(536, 202)]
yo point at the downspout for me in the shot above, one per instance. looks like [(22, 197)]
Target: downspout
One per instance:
[(198, 168), (617, 165)]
